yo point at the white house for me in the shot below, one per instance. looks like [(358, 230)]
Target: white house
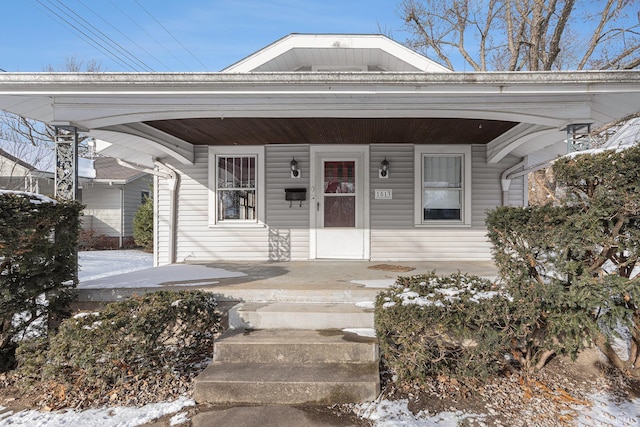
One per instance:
[(328, 146)]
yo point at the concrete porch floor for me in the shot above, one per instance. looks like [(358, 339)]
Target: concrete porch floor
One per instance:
[(295, 281)]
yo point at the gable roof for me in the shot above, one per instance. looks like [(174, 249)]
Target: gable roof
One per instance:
[(108, 169), (335, 52)]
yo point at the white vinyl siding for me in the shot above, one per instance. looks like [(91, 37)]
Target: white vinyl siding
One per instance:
[(109, 209), (102, 212), (397, 212), (393, 234), (288, 221), (285, 234), (195, 239)]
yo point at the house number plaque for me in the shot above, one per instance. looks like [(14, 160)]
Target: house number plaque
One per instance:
[(384, 194)]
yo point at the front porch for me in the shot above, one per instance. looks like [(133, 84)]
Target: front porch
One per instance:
[(292, 281)]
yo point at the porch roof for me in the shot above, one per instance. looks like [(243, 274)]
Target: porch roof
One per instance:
[(147, 115)]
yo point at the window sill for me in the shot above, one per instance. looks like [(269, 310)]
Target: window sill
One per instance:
[(443, 224), (237, 225)]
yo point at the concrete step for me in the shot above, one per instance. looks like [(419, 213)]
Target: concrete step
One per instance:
[(291, 383), (295, 346), (310, 316)]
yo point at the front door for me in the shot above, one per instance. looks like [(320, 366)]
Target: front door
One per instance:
[(339, 193)]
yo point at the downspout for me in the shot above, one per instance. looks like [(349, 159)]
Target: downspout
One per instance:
[(509, 174), (505, 181), (121, 217), (162, 170), (172, 181)]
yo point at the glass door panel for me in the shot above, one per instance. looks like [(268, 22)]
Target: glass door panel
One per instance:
[(339, 194)]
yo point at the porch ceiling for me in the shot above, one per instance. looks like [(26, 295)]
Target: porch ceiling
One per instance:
[(259, 131)]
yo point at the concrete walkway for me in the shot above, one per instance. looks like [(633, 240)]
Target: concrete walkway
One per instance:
[(273, 416)]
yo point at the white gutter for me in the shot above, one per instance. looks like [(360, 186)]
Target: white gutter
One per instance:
[(172, 181), (144, 169), (509, 174), (121, 217), (164, 171), (505, 181)]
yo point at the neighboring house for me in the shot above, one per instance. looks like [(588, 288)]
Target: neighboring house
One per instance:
[(111, 193), (111, 200), (328, 146)]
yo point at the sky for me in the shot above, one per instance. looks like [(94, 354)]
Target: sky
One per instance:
[(174, 36)]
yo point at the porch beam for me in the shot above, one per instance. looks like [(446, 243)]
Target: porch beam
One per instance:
[(177, 148)]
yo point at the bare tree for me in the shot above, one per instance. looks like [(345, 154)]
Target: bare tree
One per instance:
[(24, 166), (534, 35)]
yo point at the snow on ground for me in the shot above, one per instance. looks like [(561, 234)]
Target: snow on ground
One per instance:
[(99, 270), (604, 411), (105, 417), (98, 264), (375, 283)]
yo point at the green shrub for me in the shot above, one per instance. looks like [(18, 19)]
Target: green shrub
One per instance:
[(453, 326), (143, 225), (38, 265), (570, 263), (159, 340)]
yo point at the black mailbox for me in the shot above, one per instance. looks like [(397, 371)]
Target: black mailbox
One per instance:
[(295, 195)]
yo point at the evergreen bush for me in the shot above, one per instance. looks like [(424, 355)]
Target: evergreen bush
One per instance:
[(143, 225), (452, 326), (572, 260), (38, 265), (149, 344)]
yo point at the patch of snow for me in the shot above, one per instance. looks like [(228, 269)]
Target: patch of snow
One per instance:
[(363, 332), (485, 295), (119, 416), (85, 314), (387, 413), (366, 304), (181, 418), (605, 411), (35, 198), (174, 274), (413, 298), (375, 283), (99, 264)]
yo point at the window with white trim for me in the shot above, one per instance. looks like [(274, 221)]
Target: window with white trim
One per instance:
[(443, 187), (236, 188), (235, 179)]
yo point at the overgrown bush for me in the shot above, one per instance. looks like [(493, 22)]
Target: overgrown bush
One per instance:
[(453, 326), (571, 261), (145, 345), (38, 265), (143, 225)]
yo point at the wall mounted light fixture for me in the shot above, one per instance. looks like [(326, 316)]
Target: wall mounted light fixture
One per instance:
[(383, 172), (295, 171)]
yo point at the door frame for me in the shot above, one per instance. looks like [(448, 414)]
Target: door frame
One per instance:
[(361, 152)]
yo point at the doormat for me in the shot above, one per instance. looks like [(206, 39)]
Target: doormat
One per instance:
[(391, 267)]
